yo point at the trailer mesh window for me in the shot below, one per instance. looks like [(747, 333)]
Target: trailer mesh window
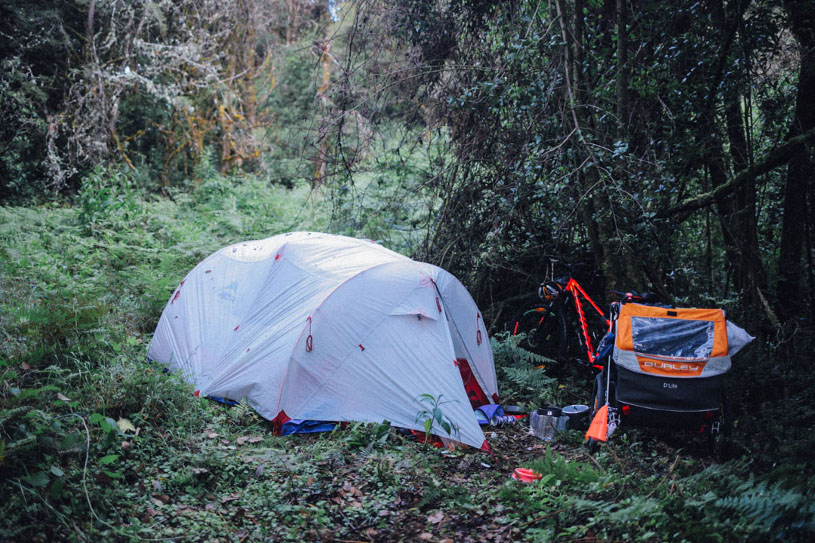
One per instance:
[(675, 338)]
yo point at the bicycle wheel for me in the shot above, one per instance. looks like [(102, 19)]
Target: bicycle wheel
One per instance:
[(575, 347), (544, 330)]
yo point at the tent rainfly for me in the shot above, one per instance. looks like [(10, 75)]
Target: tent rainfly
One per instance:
[(329, 328)]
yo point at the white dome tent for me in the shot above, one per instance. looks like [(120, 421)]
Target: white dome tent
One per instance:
[(328, 328)]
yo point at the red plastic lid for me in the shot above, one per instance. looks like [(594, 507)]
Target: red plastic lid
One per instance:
[(526, 475)]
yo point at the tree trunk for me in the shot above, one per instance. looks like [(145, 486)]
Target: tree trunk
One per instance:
[(321, 159), (616, 266), (748, 269), (800, 169), (89, 32), (799, 172), (623, 69)]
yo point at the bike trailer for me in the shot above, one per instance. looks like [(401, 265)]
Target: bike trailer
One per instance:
[(667, 367)]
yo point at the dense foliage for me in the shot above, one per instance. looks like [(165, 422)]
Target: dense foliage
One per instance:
[(655, 145), (667, 144), (98, 444)]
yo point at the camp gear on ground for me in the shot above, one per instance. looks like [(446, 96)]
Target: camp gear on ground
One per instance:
[(598, 430), (317, 327), (562, 423), (578, 416), (526, 475), (502, 420), (666, 369), (543, 422), (486, 412)]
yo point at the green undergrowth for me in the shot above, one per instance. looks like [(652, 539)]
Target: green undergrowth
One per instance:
[(628, 493), (98, 444)]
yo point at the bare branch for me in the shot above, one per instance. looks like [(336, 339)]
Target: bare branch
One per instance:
[(778, 157)]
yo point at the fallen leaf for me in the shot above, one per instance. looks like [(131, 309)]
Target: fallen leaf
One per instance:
[(385, 513), (241, 440), (425, 536), (125, 425), (210, 507), (210, 434), (152, 512), (165, 498), (225, 441), (371, 533), (126, 445), (435, 518), (347, 486), (25, 366), (255, 439), (227, 499), (63, 397), (310, 481), (199, 471)]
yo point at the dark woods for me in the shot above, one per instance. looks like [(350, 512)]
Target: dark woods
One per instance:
[(657, 145), (156, 87), (661, 146)]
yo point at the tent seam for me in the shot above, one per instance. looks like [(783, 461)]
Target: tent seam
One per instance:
[(451, 319), (316, 309)]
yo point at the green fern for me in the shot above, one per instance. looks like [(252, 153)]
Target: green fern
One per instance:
[(506, 351), (764, 506), (522, 374), (9, 414), (528, 377), (563, 471)]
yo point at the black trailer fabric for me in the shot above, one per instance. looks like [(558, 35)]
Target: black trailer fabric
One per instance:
[(669, 394)]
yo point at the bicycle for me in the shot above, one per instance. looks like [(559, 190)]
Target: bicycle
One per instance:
[(545, 323)]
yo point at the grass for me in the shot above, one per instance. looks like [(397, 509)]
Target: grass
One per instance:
[(97, 444)]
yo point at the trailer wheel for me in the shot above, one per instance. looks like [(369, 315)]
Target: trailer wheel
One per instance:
[(717, 441)]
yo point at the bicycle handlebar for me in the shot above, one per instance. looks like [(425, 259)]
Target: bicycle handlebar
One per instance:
[(634, 296)]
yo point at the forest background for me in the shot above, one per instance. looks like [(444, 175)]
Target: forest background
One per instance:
[(651, 145)]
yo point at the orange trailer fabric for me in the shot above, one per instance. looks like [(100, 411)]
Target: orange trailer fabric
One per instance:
[(672, 342)]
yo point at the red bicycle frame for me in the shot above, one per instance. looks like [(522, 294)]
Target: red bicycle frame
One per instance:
[(577, 291)]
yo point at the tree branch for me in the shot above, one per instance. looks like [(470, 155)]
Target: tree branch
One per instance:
[(778, 157)]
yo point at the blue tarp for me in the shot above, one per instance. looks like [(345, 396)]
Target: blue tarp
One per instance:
[(486, 412), (300, 426)]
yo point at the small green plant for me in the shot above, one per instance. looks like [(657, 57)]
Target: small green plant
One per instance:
[(434, 415), (107, 196)]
